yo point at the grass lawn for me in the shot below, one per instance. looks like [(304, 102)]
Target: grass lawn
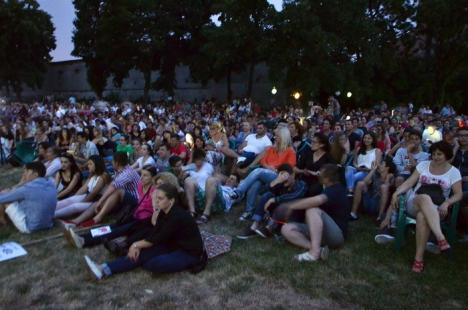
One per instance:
[(256, 273)]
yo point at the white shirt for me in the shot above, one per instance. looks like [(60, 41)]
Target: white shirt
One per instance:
[(436, 136), (445, 180), (256, 145), (367, 159), (52, 167), (202, 175), (148, 161)]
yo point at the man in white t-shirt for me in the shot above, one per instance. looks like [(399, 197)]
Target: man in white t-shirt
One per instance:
[(253, 145), (196, 179)]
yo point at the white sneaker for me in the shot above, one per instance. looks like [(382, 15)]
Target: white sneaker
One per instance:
[(73, 239), (433, 248), (384, 238), (94, 268), (307, 257), (245, 216)]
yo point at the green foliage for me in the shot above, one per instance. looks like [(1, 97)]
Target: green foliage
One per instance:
[(238, 43), (393, 50), (141, 34), (26, 39)]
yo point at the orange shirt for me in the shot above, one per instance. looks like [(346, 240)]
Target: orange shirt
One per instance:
[(275, 159)]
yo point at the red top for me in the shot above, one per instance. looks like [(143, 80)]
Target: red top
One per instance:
[(275, 159), (179, 149)]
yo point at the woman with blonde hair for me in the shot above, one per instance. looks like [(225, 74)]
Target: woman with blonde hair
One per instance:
[(280, 153), (220, 140), (169, 178)]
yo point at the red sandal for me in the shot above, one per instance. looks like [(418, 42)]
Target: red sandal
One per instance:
[(443, 245), (418, 266)]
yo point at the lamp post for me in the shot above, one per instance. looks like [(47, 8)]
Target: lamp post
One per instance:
[(349, 94), (274, 91)]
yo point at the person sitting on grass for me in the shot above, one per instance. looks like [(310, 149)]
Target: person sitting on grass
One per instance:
[(216, 196), (52, 162), (145, 159), (374, 190), (121, 192), (427, 206), (282, 189), (326, 218), (362, 163), (196, 180), (171, 242), (130, 223), (88, 193), (31, 205), (280, 153), (68, 179), (406, 158)]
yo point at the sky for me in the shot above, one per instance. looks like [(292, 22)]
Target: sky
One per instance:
[(63, 14)]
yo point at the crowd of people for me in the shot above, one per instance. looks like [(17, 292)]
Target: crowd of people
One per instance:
[(158, 171)]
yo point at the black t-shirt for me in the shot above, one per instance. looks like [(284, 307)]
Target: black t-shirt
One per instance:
[(460, 161), (337, 206), (178, 230), (307, 162)]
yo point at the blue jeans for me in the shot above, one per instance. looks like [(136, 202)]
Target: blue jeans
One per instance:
[(260, 209), (252, 184), (157, 259), (352, 176)]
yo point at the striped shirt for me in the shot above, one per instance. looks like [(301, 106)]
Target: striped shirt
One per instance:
[(127, 179)]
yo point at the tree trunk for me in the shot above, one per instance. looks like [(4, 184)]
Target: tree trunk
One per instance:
[(228, 82), (250, 80), (147, 76), (17, 90)]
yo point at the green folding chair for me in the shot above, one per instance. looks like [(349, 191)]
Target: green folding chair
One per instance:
[(25, 152), (449, 226)]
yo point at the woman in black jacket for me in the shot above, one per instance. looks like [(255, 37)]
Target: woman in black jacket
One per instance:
[(170, 243)]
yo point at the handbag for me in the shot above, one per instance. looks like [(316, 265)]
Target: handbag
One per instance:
[(434, 191), (126, 215)]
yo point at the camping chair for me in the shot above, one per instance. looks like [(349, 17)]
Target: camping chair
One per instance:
[(25, 152), (449, 225)]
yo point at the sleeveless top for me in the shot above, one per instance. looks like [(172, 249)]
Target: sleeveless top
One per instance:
[(93, 182), (366, 159), (65, 184)]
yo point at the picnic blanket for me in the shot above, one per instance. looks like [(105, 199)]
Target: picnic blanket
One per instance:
[(215, 245)]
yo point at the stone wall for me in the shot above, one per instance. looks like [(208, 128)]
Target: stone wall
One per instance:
[(68, 78)]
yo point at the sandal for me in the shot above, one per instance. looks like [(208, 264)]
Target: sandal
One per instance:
[(194, 214), (307, 257), (418, 266), (203, 219), (443, 245)]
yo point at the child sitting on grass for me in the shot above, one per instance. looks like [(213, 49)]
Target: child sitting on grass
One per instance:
[(282, 189), (374, 190)]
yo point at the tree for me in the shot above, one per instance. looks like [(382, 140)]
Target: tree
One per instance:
[(440, 50), (87, 38), (26, 39), (236, 44)]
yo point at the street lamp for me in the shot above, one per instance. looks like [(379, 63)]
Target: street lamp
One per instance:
[(274, 90), (297, 95), (349, 94)]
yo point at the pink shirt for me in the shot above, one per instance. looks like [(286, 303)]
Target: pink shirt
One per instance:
[(144, 209)]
